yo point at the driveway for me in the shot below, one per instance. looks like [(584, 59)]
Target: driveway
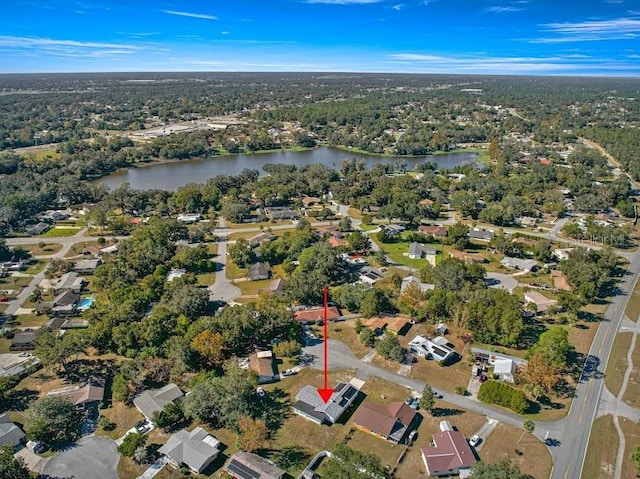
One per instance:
[(501, 281), (222, 289), (92, 457)]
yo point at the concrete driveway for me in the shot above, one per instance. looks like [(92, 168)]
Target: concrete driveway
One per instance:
[(501, 281), (92, 456)]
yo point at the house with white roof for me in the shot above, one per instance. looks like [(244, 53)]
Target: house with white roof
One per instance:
[(437, 348)]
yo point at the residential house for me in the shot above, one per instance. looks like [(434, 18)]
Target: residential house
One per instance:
[(69, 282), (82, 395), (481, 235), (391, 423), (423, 287), (369, 275), (10, 434), (467, 257), (275, 287), (420, 251), (175, 274), (562, 253), (505, 366), (260, 238), (12, 364), (258, 271), (335, 241), (450, 455), (25, 340), (393, 230), (153, 400), (263, 364), (64, 304), (354, 259), (394, 324), (560, 281), (310, 405), (38, 229), (541, 301), (196, 449), (86, 266), (433, 230), (278, 213), (311, 315), (74, 323), (110, 249), (437, 348), (189, 218), (519, 264), (246, 465), (527, 221)]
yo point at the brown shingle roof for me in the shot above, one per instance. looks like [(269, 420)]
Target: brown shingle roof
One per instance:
[(451, 452), (315, 314), (381, 420)]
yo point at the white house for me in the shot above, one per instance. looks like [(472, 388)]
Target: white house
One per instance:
[(437, 348)]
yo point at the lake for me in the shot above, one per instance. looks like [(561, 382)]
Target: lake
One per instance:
[(171, 176)]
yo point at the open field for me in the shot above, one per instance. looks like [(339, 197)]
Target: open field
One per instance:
[(633, 306), (49, 249), (632, 439), (250, 288), (234, 272), (601, 453), (632, 393), (56, 232), (617, 363), (526, 451)]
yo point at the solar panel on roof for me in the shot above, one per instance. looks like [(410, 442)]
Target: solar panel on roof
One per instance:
[(242, 471)]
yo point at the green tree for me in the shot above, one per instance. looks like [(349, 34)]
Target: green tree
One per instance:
[(169, 415), (358, 241), (11, 467), (528, 426), (367, 337), (635, 457), (554, 347), (500, 470), (457, 235), (53, 418), (428, 399), (241, 253), (131, 443), (389, 347), (345, 224), (375, 302), (289, 348)]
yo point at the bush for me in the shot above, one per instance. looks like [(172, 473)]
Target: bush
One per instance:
[(131, 442), (460, 390), (105, 424), (493, 392)]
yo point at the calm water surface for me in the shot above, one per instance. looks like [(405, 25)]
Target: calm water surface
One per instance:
[(171, 176)]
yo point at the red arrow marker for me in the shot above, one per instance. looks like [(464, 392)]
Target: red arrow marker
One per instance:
[(326, 393)]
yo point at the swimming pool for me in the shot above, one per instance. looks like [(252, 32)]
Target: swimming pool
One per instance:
[(85, 303)]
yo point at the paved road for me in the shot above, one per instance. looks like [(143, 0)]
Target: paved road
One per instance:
[(222, 289), (67, 243), (92, 457)]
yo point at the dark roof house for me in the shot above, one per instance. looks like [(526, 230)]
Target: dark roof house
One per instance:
[(81, 394), (23, 341), (258, 271)]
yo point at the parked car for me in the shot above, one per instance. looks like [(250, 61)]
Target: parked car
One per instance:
[(475, 440), (288, 372), (413, 403), (260, 392), (36, 447), (143, 426)]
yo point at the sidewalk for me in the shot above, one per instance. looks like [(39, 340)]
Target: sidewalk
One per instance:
[(154, 468)]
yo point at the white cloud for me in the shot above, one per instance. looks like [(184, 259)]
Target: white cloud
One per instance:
[(35, 46), (191, 15), (398, 7), (504, 9), (592, 30), (344, 2), (225, 32)]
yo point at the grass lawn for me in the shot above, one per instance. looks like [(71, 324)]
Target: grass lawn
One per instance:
[(31, 320), (15, 282), (632, 394), (503, 443), (56, 232), (35, 266), (617, 363), (251, 234), (4, 345), (368, 443), (35, 250), (233, 271), (250, 288), (601, 453), (77, 248), (633, 306), (206, 279), (125, 417), (345, 332), (632, 439)]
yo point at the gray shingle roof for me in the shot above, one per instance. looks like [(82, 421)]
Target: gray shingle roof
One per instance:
[(154, 400), (245, 465), (309, 402), (196, 449)]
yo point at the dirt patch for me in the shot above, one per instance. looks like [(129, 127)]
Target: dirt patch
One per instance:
[(601, 453), (526, 451), (125, 417)]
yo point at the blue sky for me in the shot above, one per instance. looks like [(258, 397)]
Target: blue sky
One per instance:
[(542, 37)]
